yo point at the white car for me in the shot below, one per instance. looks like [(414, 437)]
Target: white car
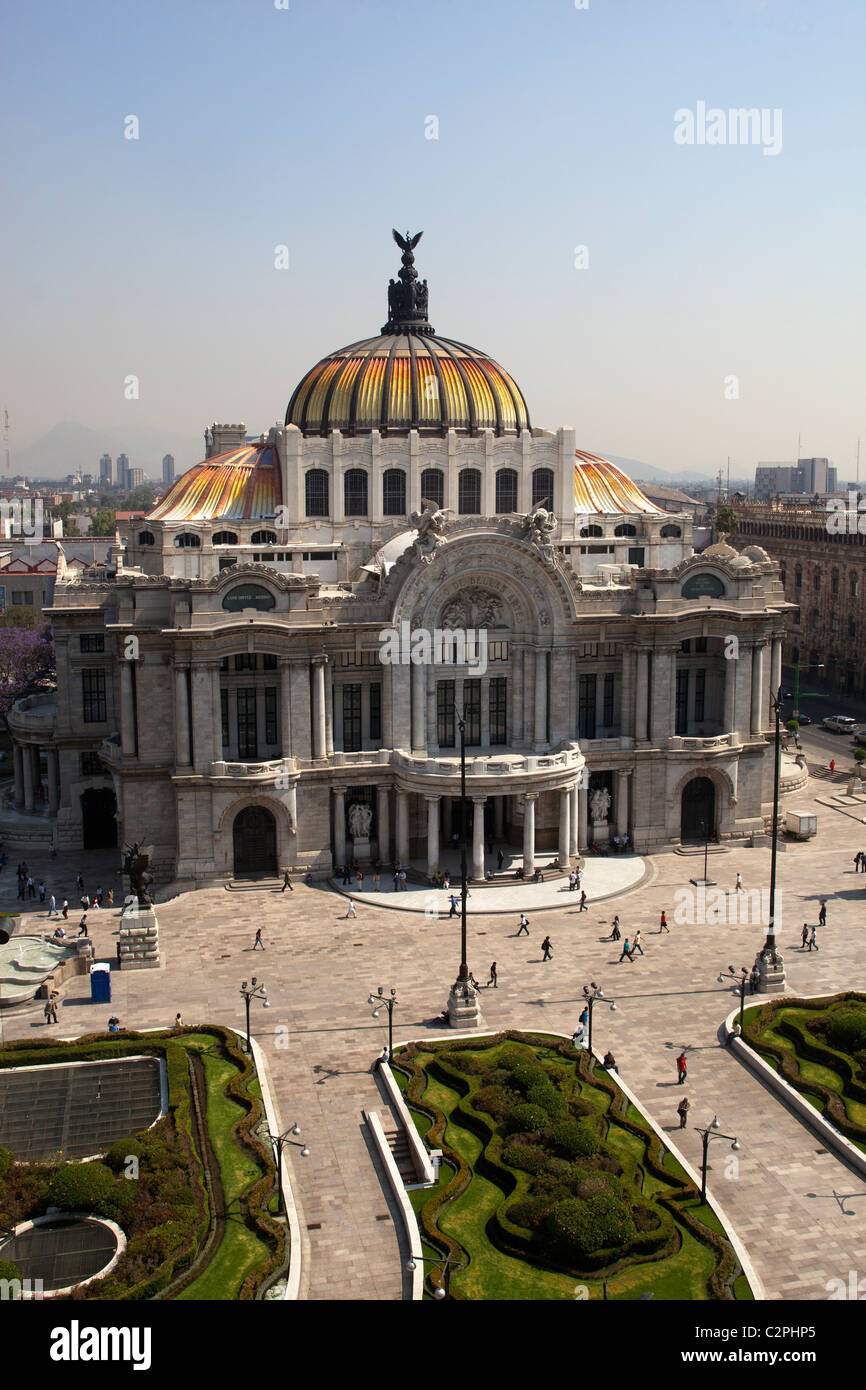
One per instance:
[(840, 724)]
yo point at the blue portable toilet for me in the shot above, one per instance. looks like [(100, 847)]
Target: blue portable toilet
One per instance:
[(100, 983)]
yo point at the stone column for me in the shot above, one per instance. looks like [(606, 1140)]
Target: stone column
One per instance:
[(339, 827), (285, 708), (299, 735), (202, 693), (575, 816), (529, 801), (776, 667), (217, 713), (622, 802), (516, 697), (53, 783), (565, 827), (641, 694), (448, 819), (383, 821), (127, 710), (540, 698), (329, 716), (27, 765), (19, 774), (319, 736), (402, 828), (478, 837), (627, 690), (419, 709), (499, 816), (432, 835), (730, 695), (181, 717), (757, 689), (663, 695), (582, 818)]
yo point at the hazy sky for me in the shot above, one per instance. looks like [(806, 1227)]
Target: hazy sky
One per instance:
[(307, 127)]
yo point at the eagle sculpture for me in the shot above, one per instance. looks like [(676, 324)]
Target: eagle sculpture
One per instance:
[(407, 243)]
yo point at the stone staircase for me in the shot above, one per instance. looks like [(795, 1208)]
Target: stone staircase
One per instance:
[(399, 1146), (254, 885)]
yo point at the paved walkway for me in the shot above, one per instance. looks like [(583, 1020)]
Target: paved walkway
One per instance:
[(320, 1039)]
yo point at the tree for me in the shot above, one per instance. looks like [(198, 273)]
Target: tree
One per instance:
[(102, 523), (726, 519), (26, 659), (141, 500)]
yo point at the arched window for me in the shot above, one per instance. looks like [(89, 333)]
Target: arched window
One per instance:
[(316, 492), (506, 490), (146, 538), (186, 540), (591, 530), (433, 486), (852, 584), (671, 531), (225, 538), (394, 492), (355, 492), (263, 538), (625, 528), (542, 486), (469, 492)]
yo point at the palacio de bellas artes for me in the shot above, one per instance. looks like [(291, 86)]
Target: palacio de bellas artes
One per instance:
[(273, 668)]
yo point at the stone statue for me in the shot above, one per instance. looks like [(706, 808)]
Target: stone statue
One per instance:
[(360, 820), (135, 864), (600, 804), (539, 526), (429, 523)]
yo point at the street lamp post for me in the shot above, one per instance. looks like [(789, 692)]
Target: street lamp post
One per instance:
[(279, 1141), (379, 1000), (704, 882), (798, 667), (739, 986), (253, 991), (712, 1132), (445, 1262), (769, 963), (591, 993), (463, 1007)]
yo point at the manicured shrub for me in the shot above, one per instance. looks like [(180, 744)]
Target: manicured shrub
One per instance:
[(465, 1062), (526, 1119), (120, 1151), (8, 1270), (495, 1101), (526, 1075), (530, 1157), (645, 1218), (529, 1212), (846, 1029), (573, 1139), (588, 1182), (498, 1076), (549, 1099), (82, 1187), (6, 1161), (582, 1227)]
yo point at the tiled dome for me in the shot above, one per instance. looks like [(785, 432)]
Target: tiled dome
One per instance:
[(241, 485), (601, 487)]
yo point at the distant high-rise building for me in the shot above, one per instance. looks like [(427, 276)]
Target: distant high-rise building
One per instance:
[(105, 473), (122, 471), (135, 478), (87, 479), (806, 476), (168, 468)]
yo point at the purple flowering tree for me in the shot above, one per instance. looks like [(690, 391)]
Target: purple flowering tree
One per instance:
[(26, 660)]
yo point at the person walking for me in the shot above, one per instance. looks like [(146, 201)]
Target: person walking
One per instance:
[(857, 857), (615, 932), (805, 937), (403, 881), (99, 896), (350, 912), (582, 907), (82, 925), (572, 881), (31, 887), (111, 897), (52, 907), (863, 861), (546, 948), (494, 978), (832, 766), (812, 939), (258, 941), (738, 888), (375, 880), (663, 923), (287, 882), (500, 859), (22, 888), (822, 915), (626, 953), (65, 909), (579, 872), (683, 1111), (682, 1069), (50, 1010), (453, 902), (80, 883), (635, 945), (41, 892), (524, 925)]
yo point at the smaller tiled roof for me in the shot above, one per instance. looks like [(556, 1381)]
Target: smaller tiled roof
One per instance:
[(600, 487), (241, 485)]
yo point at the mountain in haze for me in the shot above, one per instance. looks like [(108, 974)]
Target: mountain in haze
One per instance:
[(648, 473), (74, 448)]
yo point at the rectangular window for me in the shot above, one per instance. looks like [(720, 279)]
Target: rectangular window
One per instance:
[(91, 765), (24, 597), (685, 647), (271, 735), (91, 642), (375, 713), (248, 748), (586, 707), (682, 705), (93, 696), (445, 714), (226, 562), (351, 718), (607, 708), (636, 555), (700, 646), (224, 711), (269, 661), (497, 701), (245, 661), (700, 695), (472, 710)]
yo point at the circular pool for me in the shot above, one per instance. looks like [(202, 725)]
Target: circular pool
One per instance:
[(63, 1252)]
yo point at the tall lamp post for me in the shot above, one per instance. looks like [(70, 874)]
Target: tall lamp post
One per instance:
[(381, 1001), (739, 986), (712, 1132), (591, 993), (253, 991), (769, 963), (445, 1263), (279, 1141), (464, 1010), (705, 836)]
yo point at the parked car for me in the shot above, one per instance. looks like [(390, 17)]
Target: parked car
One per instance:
[(840, 724)]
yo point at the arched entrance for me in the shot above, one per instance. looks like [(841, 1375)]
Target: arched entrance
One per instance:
[(254, 836), (98, 818), (698, 813)]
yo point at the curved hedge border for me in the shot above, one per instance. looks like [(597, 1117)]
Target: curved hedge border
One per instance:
[(517, 1240)]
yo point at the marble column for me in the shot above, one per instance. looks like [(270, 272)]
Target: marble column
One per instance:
[(181, 717), (319, 736), (663, 695), (297, 741), (19, 774), (202, 694), (419, 709), (641, 694), (285, 708), (27, 765), (53, 782), (757, 689), (403, 828), (529, 801), (499, 816), (776, 667), (432, 835), (582, 818), (127, 710), (329, 716), (565, 827), (622, 802), (216, 701), (516, 697), (383, 821), (448, 819), (540, 699), (339, 827), (730, 695), (478, 803), (575, 815)]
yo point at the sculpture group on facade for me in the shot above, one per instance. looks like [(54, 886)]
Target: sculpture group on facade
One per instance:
[(360, 820), (136, 860), (430, 524)]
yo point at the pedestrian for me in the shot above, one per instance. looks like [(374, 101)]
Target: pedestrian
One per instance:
[(683, 1111), (805, 937), (857, 858), (500, 859), (287, 882), (832, 766), (494, 978), (396, 880), (99, 896), (579, 872), (524, 925), (582, 907), (863, 861), (682, 1069), (635, 945), (626, 953), (22, 887), (446, 882), (572, 881), (609, 1063), (80, 882), (812, 939), (65, 909), (739, 884), (350, 912), (82, 925), (663, 924), (359, 880), (578, 1037), (584, 1017), (41, 892), (615, 932), (347, 875), (178, 1020), (258, 941), (822, 915), (546, 948), (403, 880), (52, 907), (376, 880), (31, 887), (453, 901), (85, 901), (111, 897), (50, 1010)]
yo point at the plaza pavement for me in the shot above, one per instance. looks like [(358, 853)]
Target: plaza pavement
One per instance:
[(320, 1039)]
